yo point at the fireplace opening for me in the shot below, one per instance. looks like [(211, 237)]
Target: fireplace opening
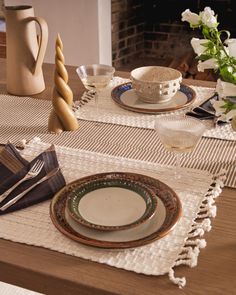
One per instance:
[(152, 33)]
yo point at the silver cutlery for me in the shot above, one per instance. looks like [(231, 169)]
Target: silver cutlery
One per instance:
[(33, 172), (21, 195)]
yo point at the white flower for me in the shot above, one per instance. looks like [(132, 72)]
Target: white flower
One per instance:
[(225, 88), (220, 111), (225, 117), (231, 47), (218, 106), (210, 63), (230, 115), (197, 45), (208, 17), (190, 17)]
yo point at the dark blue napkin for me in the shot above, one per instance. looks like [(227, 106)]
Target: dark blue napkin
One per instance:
[(13, 167), (204, 111)]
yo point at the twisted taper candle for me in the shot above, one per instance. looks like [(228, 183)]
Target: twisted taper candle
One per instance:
[(62, 117)]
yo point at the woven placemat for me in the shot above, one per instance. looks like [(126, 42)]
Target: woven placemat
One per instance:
[(7, 289), (181, 247), (110, 112)]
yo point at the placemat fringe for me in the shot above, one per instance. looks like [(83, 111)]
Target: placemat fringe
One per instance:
[(205, 225), (181, 282), (191, 249)]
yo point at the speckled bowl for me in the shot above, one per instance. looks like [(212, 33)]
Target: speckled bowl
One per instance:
[(155, 84)]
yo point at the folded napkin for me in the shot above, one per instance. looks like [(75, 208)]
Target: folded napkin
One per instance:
[(205, 111), (13, 168)]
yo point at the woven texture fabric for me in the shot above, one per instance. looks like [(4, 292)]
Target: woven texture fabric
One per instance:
[(109, 112), (33, 225), (7, 289), (25, 118)]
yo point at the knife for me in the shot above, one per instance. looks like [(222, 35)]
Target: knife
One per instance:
[(18, 197)]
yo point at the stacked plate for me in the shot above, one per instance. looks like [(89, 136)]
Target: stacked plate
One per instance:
[(115, 210), (127, 98)]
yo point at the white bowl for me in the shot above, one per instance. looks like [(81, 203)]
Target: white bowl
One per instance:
[(155, 84)]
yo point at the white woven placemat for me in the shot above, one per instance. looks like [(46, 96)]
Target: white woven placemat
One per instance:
[(7, 289), (181, 247), (110, 112)]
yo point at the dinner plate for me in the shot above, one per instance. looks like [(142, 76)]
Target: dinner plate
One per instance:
[(163, 221), (126, 97), (111, 202)]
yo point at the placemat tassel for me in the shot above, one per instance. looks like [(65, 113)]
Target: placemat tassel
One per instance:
[(201, 243), (205, 225), (197, 232), (85, 98), (209, 209), (181, 282), (21, 143)]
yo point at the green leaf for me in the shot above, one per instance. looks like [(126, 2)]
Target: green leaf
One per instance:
[(227, 74), (207, 44), (205, 32), (229, 106), (204, 57)]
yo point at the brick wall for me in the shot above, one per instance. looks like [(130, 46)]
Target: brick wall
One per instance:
[(127, 30), (167, 36), (152, 29)]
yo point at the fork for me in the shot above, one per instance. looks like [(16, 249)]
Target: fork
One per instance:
[(33, 172), (21, 195)]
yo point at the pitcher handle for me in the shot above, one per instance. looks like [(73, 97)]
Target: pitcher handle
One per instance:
[(43, 42)]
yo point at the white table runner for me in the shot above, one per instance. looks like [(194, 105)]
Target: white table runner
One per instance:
[(25, 118), (181, 247)]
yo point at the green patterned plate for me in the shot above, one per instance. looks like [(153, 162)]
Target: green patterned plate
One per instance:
[(111, 202)]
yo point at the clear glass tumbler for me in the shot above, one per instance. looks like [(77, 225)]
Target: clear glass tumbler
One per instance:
[(179, 134)]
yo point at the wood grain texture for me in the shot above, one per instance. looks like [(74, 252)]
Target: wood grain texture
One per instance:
[(2, 45), (3, 38), (2, 51), (54, 273)]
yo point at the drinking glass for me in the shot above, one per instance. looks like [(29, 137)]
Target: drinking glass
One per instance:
[(179, 134), (95, 77)]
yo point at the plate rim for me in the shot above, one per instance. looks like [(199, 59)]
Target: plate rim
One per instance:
[(148, 213), (151, 111), (113, 244)]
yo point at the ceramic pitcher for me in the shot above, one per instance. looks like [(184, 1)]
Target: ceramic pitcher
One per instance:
[(24, 53)]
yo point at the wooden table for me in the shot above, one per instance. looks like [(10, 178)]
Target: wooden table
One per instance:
[(50, 272)]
